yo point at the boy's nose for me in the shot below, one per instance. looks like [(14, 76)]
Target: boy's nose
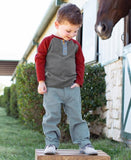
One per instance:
[(73, 34)]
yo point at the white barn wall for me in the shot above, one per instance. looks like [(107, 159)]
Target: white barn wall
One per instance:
[(111, 51)]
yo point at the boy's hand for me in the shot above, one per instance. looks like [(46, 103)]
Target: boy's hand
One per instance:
[(75, 85), (42, 87)]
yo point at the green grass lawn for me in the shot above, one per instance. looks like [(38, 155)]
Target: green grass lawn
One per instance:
[(19, 143)]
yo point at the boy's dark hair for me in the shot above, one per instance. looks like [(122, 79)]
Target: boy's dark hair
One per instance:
[(69, 12)]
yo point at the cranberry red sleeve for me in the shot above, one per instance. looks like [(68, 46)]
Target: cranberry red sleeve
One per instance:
[(80, 66), (40, 59)]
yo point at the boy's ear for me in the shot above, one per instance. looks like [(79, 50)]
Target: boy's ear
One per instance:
[(56, 24)]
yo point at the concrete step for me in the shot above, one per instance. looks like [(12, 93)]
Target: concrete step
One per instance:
[(69, 154)]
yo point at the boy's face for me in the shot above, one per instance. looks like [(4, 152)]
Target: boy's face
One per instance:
[(66, 30)]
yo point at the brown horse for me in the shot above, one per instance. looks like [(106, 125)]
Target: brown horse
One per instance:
[(109, 13)]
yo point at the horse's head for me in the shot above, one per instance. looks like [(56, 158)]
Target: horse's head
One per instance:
[(109, 13)]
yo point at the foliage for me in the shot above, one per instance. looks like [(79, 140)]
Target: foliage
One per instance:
[(93, 96), (2, 101), (29, 101), (93, 90), (13, 102), (7, 99)]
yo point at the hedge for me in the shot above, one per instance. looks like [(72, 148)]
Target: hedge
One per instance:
[(28, 100), (30, 106), (2, 104), (93, 98), (13, 102), (7, 100)]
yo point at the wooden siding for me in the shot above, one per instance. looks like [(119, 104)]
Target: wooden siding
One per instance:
[(7, 67)]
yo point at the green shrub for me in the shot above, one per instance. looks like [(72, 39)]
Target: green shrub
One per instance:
[(93, 98), (13, 102), (28, 100), (2, 101), (93, 90), (7, 100)]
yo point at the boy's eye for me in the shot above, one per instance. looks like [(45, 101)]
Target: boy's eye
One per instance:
[(68, 31)]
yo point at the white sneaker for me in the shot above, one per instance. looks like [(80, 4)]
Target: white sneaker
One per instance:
[(50, 150), (89, 150)]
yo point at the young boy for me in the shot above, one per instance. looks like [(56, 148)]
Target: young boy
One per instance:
[(60, 72)]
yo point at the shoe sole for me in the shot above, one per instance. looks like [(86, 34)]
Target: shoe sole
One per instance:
[(82, 152), (49, 153)]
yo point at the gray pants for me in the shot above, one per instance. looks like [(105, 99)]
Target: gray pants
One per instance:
[(72, 106)]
